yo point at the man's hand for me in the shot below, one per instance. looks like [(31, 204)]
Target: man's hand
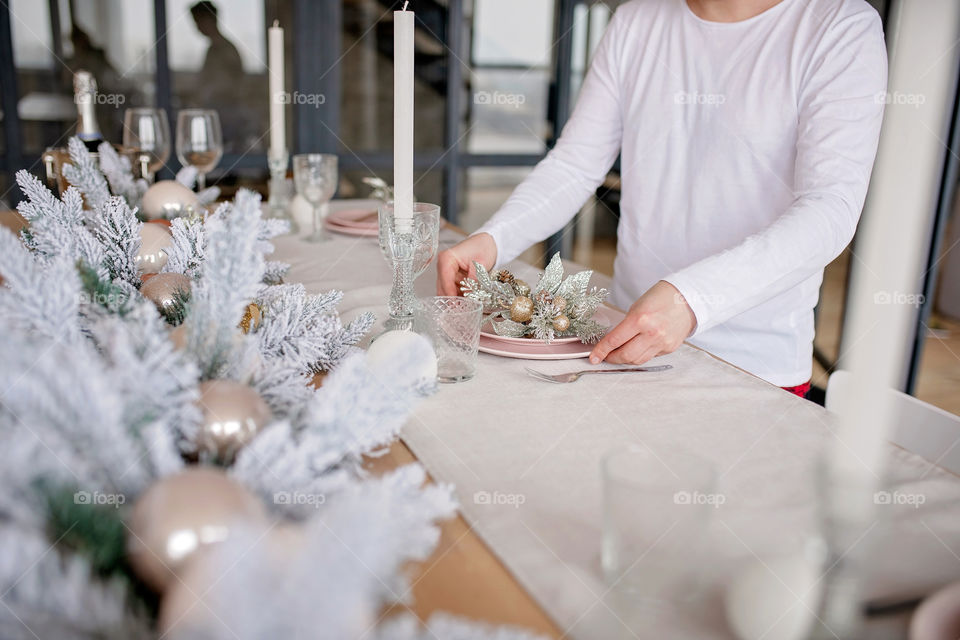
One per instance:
[(456, 263), (657, 323)]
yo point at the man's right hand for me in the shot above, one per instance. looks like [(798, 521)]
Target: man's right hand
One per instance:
[(456, 263)]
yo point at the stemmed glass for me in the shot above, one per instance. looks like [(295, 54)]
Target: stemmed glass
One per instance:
[(199, 141), (315, 175), (146, 133), (409, 248)]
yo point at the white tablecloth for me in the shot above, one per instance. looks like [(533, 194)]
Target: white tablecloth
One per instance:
[(505, 432)]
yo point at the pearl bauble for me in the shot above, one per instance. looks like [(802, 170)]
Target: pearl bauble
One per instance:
[(179, 515), (155, 241), (168, 199)]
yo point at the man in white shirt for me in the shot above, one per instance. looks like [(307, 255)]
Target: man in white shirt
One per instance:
[(747, 131)]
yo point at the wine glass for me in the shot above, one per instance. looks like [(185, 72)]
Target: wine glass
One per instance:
[(199, 141), (315, 175), (146, 134)]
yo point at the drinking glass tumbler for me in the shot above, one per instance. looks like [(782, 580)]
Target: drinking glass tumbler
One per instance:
[(452, 324)]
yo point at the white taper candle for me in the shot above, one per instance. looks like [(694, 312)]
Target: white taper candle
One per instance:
[(278, 130), (403, 27)]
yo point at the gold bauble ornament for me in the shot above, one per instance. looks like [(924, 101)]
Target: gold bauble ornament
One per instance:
[(521, 288), (180, 515), (521, 309), (233, 414), (155, 241), (252, 316), (560, 303), (168, 199), (163, 289), (561, 323)]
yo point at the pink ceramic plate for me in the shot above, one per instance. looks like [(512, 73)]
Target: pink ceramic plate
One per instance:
[(351, 231), (359, 218), (528, 349), (604, 315)]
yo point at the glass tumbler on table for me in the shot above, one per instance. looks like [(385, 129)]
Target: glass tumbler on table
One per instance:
[(315, 176), (146, 135), (452, 324), (656, 508), (199, 141)]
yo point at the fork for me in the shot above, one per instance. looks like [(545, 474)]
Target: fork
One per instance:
[(563, 378)]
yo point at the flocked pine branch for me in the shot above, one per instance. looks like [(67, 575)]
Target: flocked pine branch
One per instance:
[(346, 565), (119, 174), (355, 412), (118, 230), (305, 330), (38, 297), (51, 594), (442, 625), (230, 277), (82, 172), (186, 250)]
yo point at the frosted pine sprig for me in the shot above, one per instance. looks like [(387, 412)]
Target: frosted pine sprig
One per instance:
[(82, 172), (119, 175)]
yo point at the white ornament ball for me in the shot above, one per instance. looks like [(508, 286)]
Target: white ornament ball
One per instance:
[(385, 349), (155, 241), (774, 599), (233, 414), (167, 199), (302, 213)]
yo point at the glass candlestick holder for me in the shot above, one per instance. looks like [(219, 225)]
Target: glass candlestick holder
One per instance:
[(409, 245), (278, 202)]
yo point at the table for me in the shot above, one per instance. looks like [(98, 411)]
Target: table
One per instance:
[(505, 432)]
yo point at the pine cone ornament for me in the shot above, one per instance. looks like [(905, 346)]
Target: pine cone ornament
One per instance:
[(521, 310), (543, 298), (505, 276), (561, 323), (521, 288)]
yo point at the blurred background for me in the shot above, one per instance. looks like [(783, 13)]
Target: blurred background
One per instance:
[(496, 80)]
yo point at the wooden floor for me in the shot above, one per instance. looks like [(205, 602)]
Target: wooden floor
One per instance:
[(939, 379)]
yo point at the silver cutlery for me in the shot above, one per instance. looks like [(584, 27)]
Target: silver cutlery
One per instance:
[(563, 378)]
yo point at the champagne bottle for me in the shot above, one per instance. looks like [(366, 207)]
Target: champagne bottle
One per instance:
[(85, 96)]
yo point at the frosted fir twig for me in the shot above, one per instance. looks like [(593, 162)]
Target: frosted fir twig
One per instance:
[(186, 252), (84, 174), (229, 279), (36, 297), (338, 568), (49, 594), (119, 174), (448, 627)]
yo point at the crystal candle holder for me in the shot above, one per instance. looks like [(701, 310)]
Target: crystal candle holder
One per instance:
[(409, 247), (278, 202)]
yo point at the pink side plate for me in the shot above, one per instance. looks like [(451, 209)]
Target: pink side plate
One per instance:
[(604, 315), (359, 218), (528, 349), (352, 231)]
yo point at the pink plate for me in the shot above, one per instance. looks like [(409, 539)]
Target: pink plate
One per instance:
[(528, 349), (351, 231), (603, 315), (359, 218)]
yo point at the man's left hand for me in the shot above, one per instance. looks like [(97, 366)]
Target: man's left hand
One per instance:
[(657, 323)]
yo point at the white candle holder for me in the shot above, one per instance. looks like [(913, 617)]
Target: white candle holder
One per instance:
[(409, 245), (278, 202)]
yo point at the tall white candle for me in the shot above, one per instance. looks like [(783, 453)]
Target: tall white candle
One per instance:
[(278, 130), (403, 26)]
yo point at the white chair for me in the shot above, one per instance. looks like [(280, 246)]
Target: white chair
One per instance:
[(921, 428)]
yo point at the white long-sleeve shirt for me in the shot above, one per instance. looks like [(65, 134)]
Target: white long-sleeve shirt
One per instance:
[(746, 153)]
